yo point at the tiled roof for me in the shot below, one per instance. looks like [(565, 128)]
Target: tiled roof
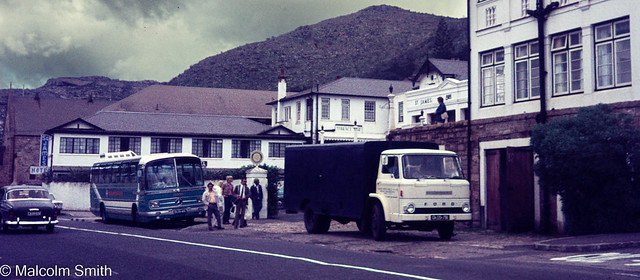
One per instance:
[(451, 67), (183, 124), (202, 101), (33, 117), (358, 87)]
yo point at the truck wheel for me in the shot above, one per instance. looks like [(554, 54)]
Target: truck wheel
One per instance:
[(445, 231), (316, 223), (364, 226), (378, 224)]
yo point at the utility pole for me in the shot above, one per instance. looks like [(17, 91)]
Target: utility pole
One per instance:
[(540, 14)]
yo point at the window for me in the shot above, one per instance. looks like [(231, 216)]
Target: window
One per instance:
[(613, 54), (566, 50), (400, 111), (524, 6), (243, 148), (298, 111), (287, 113), (346, 109), (490, 16), (276, 150), (326, 105), (492, 71), (309, 109), (207, 148), (166, 145), (527, 71), (72, 145), (123, 144), (369, 111)]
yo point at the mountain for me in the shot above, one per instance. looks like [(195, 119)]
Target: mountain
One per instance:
[(381, 42), (83, 87)]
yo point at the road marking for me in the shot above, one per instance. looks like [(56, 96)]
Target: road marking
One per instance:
[(597, 258), (256, 253)]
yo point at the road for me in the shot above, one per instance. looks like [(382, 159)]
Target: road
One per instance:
[(120, 251)]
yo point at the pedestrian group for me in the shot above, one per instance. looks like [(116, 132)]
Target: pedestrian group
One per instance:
[(225, 198)]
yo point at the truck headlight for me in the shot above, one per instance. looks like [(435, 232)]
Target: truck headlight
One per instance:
[(154, 204), (410, 208), (466, 208)]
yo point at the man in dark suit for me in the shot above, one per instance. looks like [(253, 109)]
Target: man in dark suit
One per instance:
[(241, 193), (256, 199)]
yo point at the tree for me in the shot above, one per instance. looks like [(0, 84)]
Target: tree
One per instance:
[(442, 41), (592, 161)]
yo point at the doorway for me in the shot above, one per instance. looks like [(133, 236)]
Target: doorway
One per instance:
[(510, 189)]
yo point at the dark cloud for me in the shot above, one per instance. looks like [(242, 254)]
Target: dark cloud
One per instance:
[(151, 39), (131, 11)]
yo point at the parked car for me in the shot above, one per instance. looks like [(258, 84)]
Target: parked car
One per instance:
[(26, 206), (280, 195), (57, 204)]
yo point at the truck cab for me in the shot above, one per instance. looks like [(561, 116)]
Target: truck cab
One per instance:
[(420, 189)]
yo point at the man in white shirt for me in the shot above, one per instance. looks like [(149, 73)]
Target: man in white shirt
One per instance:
[(210, 201)]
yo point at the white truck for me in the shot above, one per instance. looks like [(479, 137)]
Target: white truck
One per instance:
[(380, 185)]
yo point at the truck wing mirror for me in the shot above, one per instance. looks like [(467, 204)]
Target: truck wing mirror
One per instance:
[(385, 160)]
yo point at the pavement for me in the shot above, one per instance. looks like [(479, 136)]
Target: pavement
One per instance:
[(471, 241)]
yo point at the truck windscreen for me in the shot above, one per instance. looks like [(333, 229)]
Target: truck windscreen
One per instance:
[(431, 167)]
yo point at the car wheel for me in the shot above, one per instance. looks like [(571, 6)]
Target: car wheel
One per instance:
[(5, 228), (378, 224), (50, 228)]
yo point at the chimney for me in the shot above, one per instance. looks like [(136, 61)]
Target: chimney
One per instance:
[(282, 93)]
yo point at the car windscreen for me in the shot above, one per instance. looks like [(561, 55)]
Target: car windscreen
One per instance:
[(431, 167), (27, 194)]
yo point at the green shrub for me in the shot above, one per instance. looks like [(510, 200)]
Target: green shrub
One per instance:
[(592, 161)]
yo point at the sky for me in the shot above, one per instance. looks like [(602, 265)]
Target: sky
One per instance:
[(157, 40)]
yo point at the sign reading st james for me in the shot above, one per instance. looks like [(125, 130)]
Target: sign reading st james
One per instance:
[(44, 150)]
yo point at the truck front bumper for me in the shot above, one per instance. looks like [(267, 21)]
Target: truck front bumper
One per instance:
[(401, 218)]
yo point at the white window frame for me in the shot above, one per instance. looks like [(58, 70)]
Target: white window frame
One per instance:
[(287, 113), (400, 111), (490, 14), (492, 83), (346, 109), (369, 111), (326, 108), (532, 73), (524, 6), (612, 40), (563, 46)]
